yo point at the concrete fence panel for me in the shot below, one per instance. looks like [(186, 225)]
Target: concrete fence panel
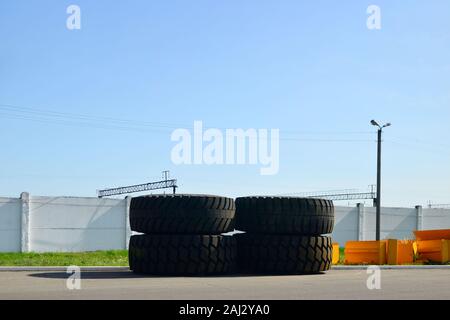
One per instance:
[(10, 224), (77, 224), (396, 223), (345, 224), (65, 224), (435, 219)]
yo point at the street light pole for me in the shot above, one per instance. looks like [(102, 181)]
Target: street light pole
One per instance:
[(378, 203), (378, 223)]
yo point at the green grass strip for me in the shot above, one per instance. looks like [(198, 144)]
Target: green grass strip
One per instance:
[(95, 258)]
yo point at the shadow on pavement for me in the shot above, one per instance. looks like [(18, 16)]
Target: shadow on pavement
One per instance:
[(131, 275), (91, 275)]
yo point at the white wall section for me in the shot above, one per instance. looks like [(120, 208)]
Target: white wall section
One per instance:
[(71, 224)]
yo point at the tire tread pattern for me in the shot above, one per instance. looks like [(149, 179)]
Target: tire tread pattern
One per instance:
[(284, 254), (190, 255), (284, 215), (182, 214)]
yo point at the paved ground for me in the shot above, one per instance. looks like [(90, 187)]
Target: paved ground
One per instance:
[(335, 284)]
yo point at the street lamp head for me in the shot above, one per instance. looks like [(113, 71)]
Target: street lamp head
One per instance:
[(387, 125), (374, 123)]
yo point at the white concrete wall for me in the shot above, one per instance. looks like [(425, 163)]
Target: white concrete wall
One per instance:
[(49, 224), (66, 224), (345, 224), (435, 219), (396, 223), (77, 224), (10, 224)]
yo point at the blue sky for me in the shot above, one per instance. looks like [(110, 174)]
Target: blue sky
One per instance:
[(311, 69)]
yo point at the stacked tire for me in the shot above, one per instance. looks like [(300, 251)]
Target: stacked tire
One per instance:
[(182, 235), (284, 235)]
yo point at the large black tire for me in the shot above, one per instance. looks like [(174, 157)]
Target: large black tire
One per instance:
[(190, 255), (284, 215), (182, 214), (284, 254)]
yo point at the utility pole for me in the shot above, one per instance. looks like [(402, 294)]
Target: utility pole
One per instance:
[(378, 214), (378, 228)]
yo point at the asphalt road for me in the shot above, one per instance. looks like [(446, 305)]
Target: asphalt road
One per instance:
[(335, 284)]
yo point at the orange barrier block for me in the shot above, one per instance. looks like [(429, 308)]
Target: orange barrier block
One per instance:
[(415, 248), (432, 234), (399, 251), (365, 252), (386, 242), (434, 250), (392, 251), (405, 252), (336, 253)]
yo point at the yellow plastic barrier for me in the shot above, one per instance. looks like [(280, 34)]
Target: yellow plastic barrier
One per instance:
[(434, 250), (432, 234), (336, 253), (400, 251), (365, 252)]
